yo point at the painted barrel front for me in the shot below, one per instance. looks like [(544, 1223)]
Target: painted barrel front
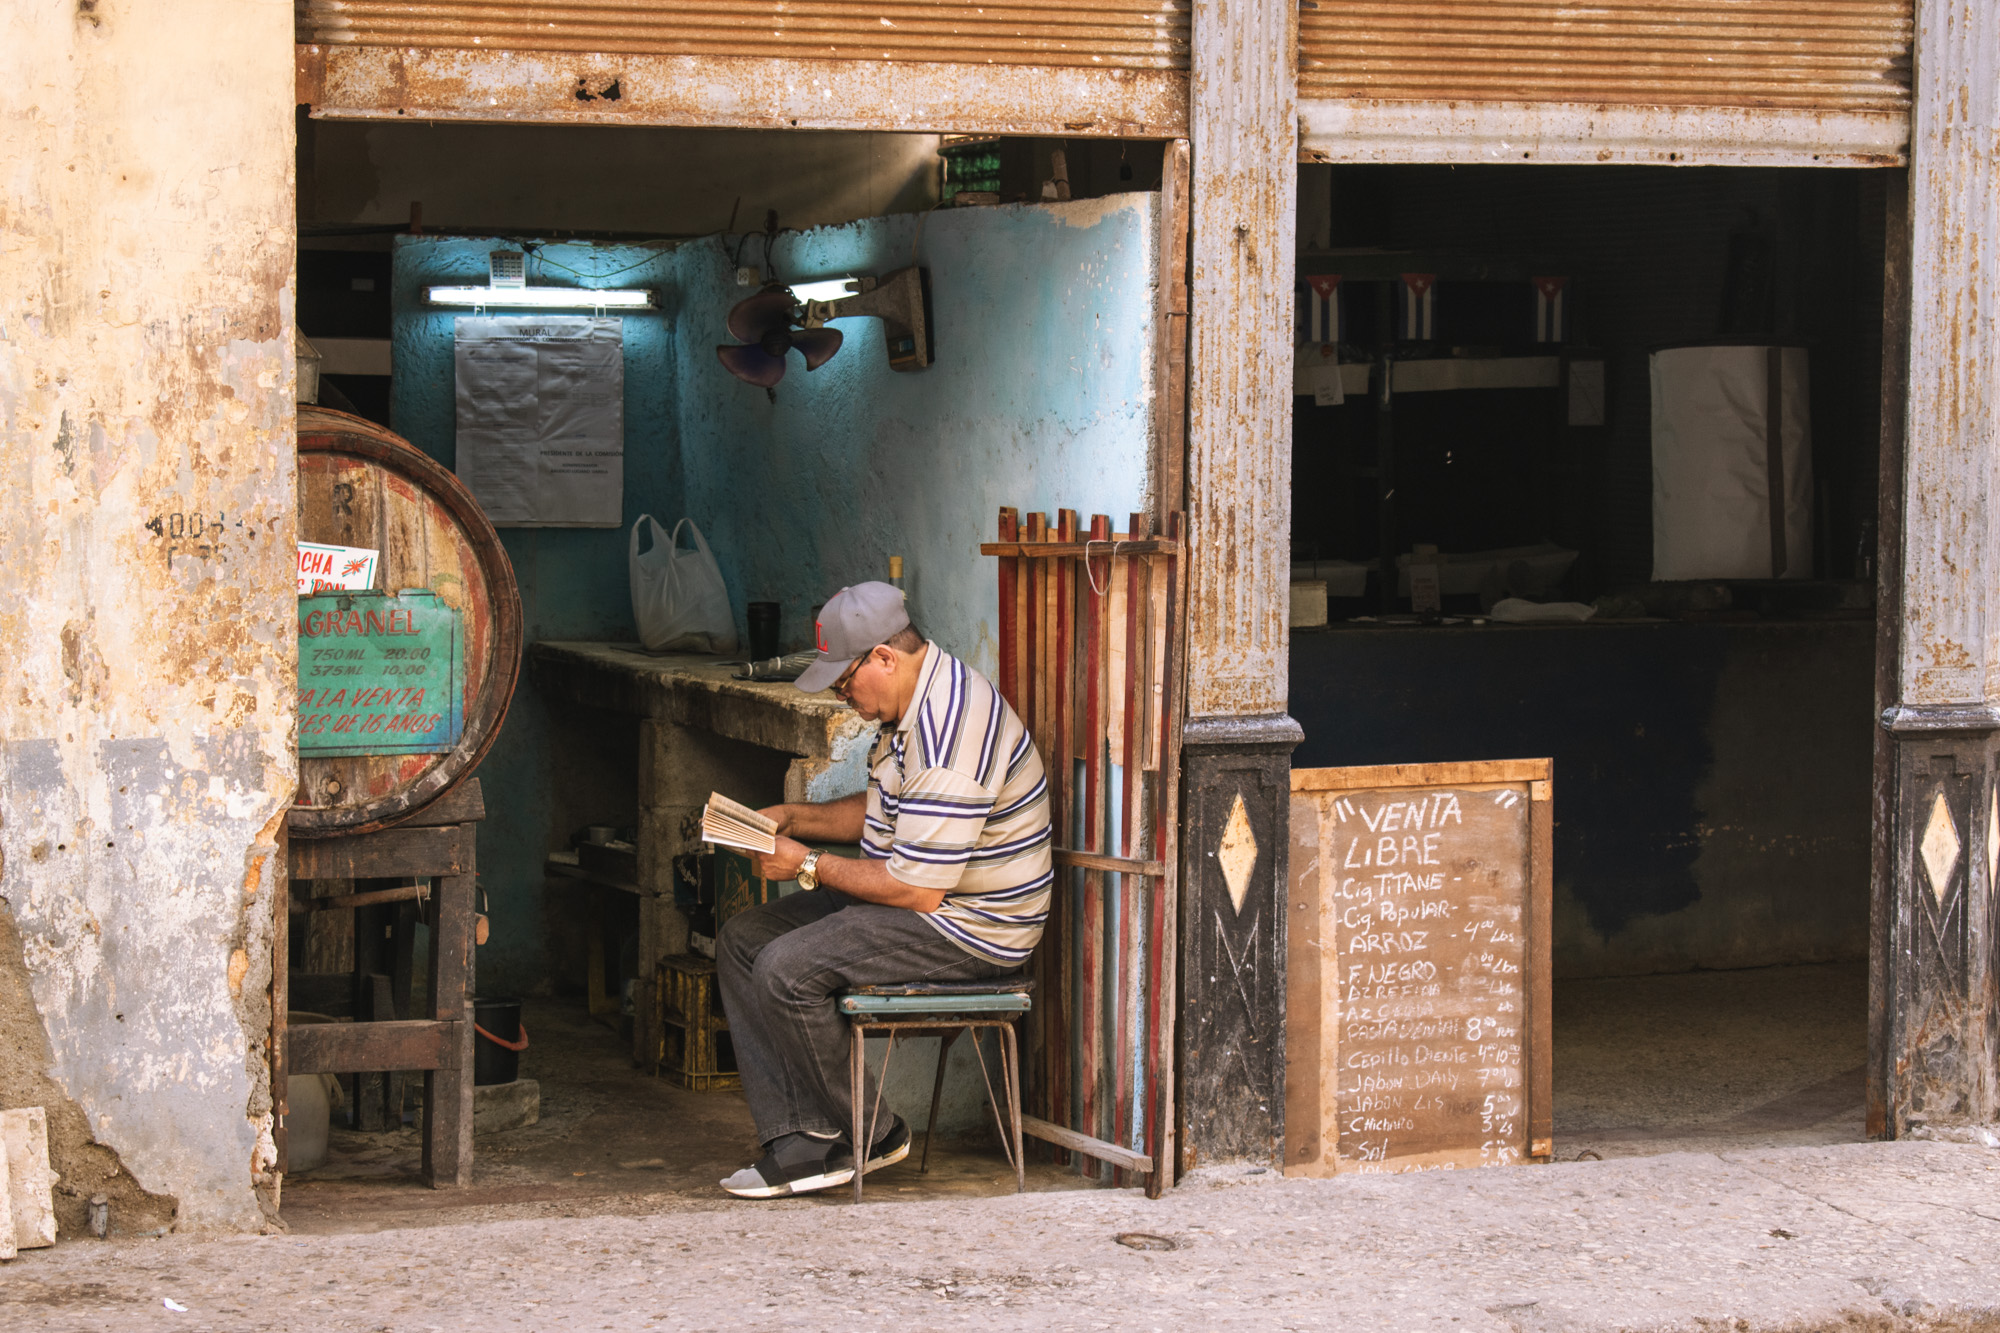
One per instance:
[(402, 687)]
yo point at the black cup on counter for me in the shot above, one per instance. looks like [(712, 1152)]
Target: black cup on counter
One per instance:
[(763, 631)]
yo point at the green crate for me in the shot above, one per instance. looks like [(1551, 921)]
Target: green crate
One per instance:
[(738, 888)]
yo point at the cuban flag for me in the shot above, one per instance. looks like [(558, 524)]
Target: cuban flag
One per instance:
[(1549, 309), (1414, 321), (1318, 306)]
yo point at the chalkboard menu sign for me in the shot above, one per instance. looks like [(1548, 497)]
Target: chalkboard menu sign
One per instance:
[(1417, 1005)]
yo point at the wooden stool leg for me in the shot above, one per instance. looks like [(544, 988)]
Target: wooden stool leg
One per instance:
[(857, 1064), (1010, 1070), (937, 1094), (447, 1162)]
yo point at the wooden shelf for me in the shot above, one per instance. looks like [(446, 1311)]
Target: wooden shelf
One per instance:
[(563, 870)]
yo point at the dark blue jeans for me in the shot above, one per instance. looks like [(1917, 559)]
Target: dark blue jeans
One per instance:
[(782, 964)]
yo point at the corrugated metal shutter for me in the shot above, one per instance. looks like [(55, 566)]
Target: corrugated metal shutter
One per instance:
[(1849, 55), (1121, 34)]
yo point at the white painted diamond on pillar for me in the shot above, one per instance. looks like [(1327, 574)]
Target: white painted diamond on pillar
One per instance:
[(1940, 847), (1238, 853)]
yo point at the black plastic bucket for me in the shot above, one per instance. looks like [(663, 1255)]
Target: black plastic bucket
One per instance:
[(497, 1042)]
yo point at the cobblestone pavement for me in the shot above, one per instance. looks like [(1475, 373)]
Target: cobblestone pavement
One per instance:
[(1858, 1236)]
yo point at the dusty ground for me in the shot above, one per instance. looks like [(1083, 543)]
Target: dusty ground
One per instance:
[(1763, 1057), (1733, 1193), (1873, 1236), (1705, 1061), (610, 1140)]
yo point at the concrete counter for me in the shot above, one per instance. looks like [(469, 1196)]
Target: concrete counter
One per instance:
[(695, 690), (700, 730)]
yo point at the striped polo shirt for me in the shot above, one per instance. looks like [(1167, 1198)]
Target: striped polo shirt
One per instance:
[(957, 800)]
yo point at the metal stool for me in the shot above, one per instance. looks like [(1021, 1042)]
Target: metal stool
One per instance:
[(941, 1009)]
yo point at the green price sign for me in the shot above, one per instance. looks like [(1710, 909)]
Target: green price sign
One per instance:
[(379, 674)]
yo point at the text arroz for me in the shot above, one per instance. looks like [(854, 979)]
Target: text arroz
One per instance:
[(335, 568)]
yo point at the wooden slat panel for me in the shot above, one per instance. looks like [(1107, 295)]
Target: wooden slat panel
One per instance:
[(1834, 55), (1139, 907), (1117, 865), (1086, 657), (1009, 681), (350, 1048), (1084, 1143), (1164, 940)]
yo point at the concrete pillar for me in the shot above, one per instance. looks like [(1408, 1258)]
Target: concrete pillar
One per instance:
[(1238, 739), (148, 506), (1933, 1057)]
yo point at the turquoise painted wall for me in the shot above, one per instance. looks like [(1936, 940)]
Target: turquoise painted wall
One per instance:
[(573, 580), (1040, 397)]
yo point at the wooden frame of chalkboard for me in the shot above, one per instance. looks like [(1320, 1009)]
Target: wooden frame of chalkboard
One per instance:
[(1417, 967)]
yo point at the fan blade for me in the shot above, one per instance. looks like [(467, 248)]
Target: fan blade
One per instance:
[(755, 316), (752, 364), (818, 345)]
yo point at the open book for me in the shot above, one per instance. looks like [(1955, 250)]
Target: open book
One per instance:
[(733, 824)]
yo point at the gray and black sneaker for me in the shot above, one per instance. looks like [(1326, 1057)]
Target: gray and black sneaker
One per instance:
[(892, 1147), (796, 1164)]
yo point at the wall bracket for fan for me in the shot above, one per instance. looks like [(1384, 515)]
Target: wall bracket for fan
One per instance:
[(902, 301)]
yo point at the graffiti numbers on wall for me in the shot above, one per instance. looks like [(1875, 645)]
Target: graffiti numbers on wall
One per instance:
[(192, 532)]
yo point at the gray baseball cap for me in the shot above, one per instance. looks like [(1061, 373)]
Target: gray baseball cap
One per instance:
[(853, 621)]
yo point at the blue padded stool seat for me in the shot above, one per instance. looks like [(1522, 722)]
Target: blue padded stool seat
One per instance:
[(942, 1009)]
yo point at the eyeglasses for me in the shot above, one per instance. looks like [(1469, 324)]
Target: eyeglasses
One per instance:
[(847, 676)]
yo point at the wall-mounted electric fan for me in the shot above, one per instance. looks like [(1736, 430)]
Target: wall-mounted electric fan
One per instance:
[(775, 321), (764, 322)]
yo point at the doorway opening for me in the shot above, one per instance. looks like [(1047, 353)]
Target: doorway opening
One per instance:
[(595, 888), (1552, 537)]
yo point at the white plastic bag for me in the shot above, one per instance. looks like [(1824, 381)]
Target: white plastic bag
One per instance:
[(677, 596)]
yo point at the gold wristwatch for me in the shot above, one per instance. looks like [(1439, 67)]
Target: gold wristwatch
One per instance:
[(808, 876)]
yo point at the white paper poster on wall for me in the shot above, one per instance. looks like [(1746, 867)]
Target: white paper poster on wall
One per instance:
[(541, 419)]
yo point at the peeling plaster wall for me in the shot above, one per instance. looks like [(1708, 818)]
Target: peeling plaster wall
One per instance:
[(574, 581), (146, 256), (1041, 396)]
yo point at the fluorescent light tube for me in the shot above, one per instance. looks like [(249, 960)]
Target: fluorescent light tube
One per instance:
[(826, 289), (542, 298)]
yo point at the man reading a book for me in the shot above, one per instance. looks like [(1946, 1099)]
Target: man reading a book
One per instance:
[(952, 885)]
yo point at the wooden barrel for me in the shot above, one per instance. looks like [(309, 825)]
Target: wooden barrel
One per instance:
[(403, 686)]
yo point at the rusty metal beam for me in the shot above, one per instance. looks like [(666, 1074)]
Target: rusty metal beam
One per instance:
[(1545, 133), (738, 92)]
